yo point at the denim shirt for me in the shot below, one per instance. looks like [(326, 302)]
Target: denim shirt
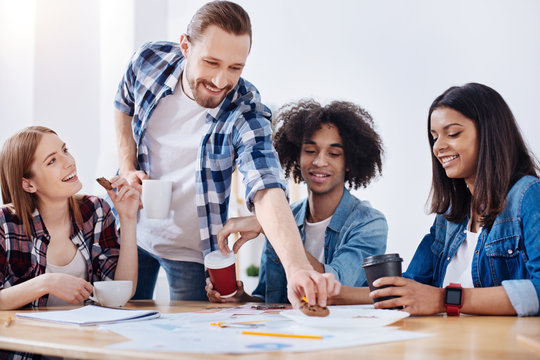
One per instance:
[(355, 231), (508, 254)]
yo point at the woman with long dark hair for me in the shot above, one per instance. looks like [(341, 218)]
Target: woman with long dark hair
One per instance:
[(482, 255)]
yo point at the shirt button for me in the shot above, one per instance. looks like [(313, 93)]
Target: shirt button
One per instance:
[(510, 251), (448, 258)]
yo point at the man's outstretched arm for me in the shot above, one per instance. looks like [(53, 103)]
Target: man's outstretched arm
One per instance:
[(276, 219)]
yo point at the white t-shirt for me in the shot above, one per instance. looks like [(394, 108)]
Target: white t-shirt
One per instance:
[(76, 267), (173, 137), (314, 240), (460, 268)]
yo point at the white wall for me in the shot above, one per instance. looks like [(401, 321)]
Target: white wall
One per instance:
[(66, 76), (61, 61), (393, 57), (17, 27)]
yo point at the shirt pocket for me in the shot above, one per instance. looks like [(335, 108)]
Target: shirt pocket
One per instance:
[(271, 254), (506, 259), (22, 266)]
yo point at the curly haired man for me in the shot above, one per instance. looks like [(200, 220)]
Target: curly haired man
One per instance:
[(326, 147)]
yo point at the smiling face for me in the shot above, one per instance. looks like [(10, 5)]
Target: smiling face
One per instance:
[(54, 173), (455, 143), (322, 161), (214, 63)]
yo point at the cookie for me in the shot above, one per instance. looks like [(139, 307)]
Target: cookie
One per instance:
[(105, 183), (313, 310)]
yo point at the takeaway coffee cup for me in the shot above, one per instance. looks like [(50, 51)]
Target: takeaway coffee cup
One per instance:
[(156, 198), (112, 293), (222, 272), (378, 266)]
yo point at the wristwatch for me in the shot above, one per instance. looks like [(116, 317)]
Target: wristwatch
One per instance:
[(453, 299)]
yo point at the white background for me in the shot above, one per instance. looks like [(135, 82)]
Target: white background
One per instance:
[(61, 61)]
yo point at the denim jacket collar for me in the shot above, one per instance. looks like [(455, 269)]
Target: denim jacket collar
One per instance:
[(338, 218)]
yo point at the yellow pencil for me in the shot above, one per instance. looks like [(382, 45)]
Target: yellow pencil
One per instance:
[(238, 324), (8, 321), (282, 335)]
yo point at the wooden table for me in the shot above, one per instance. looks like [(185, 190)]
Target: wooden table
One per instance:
[(472, 337)]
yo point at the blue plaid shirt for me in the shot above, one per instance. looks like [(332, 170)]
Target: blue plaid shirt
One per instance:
[(238, 133)]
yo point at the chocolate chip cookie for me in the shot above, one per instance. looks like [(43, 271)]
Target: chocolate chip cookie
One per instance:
[(313, 310), (105, 183)]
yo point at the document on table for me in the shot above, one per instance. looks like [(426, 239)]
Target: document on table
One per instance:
[(201, 333), (91, 315)]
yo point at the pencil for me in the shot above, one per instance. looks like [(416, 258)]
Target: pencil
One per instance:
[(244, 325), (282, 335), (529, 341), (238, 324), (7, 322)]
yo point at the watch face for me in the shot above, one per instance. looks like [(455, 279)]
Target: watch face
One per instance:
[(453, 296)]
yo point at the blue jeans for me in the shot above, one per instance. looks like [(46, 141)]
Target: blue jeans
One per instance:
[(186, 279)]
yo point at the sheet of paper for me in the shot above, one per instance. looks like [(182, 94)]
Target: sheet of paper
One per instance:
[(192, 333), (91, 315)]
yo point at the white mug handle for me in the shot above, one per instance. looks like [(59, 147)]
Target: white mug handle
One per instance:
[(93, 298)]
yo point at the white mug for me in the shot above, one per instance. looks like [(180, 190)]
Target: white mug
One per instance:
[(156, 198), (112, 293)]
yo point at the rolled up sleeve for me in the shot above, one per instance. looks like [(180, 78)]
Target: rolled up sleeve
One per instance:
[(522, 295)]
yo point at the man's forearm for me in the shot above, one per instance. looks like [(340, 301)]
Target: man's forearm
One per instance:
[(276, 219), (317, 266), (350, 295), (127, 152)]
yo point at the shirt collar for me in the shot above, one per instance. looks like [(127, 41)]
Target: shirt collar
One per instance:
[(172, 80), (40, 229), (38, 226), (339, 216), (343, 210)]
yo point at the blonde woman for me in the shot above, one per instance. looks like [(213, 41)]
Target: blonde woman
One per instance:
[(55, 244)]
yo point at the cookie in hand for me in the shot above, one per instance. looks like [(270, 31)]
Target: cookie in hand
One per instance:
[(105, 183), (313, 310)]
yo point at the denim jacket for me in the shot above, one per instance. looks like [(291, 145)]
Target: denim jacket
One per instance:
[(508, 254), (355, 231)]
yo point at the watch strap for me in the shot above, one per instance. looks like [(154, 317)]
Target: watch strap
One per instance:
[(453, 309)]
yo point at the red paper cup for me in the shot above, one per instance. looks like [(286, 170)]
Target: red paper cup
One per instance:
[(222, 272)]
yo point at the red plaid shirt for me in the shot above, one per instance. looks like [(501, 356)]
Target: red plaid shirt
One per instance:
[(22, 258)]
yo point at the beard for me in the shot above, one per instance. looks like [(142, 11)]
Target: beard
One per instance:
[(201, 96)]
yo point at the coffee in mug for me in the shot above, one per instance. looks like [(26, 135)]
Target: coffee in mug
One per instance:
[(222, 272)]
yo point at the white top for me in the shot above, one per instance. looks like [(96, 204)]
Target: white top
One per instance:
[(460, 268), (76, 267), (314, 241), (173, 137)]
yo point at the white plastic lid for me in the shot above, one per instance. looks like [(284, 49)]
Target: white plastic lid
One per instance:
[(215, 260)]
